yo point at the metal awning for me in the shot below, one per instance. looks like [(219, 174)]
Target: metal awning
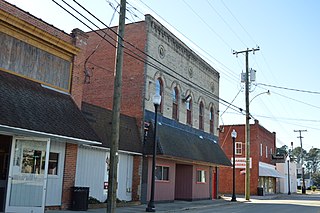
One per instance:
[(268, 170)]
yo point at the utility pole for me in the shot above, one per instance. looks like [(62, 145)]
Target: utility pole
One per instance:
[(303, 188), (247, 134), (114, 157)]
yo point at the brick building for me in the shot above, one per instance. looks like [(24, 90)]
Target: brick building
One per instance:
[(262, 147), (156, 61), (41, 125)]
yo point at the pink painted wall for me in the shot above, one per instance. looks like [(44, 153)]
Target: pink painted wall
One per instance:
[(200, 190), (184, 180), (164, 190)]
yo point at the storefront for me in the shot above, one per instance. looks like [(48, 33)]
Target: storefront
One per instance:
[(267, 178), (37, 128)]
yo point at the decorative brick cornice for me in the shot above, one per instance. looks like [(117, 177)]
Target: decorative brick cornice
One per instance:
[(166, 36)]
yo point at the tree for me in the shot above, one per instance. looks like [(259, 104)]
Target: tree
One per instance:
[(282, 150), (296, 153), (313, 160), (316, 178)]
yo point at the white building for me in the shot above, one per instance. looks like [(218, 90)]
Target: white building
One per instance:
[(284, 183)]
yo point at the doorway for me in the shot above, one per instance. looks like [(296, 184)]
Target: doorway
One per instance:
[(27, 175), (5, 147)]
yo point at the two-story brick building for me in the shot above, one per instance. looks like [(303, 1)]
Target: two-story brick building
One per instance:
[(262, 170), (156, 61)]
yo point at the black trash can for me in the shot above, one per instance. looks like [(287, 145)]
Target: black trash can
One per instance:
[(260, 191), (80, 196)]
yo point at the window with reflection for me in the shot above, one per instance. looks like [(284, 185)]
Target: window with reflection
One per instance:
[(162, 173), (159, 91), (175, 103), (211, 120), (201, 114), (189, 111)]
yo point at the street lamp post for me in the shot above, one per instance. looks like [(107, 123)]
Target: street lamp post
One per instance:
[(156, 103), (234, 136), (289, 160)]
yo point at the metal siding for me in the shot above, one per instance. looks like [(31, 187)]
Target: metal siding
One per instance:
[(125, 177), (90, 172), (54, 184)]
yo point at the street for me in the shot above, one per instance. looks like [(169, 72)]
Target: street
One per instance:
[(284, 204)]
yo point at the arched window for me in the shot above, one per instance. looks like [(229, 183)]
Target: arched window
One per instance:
[(159, 91), (175, 103), (189, 110), (211, 120), (201, 114)]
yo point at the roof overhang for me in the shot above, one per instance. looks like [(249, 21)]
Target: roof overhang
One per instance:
[(15, 131), (268, 170)]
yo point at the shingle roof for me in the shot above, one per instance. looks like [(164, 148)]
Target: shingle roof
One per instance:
[(101, 121), (28, 105), (175, 142)]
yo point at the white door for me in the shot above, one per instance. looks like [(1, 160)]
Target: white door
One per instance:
[(28, 175)]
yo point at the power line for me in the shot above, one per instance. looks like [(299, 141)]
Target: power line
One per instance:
[(138, 57), (232, 76), (292, 89)]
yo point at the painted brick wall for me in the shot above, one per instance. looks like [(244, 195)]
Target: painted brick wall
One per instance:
[(69, 174), (183, 67), (258, 135)]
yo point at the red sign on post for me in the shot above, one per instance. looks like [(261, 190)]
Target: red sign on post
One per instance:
[(105, 185)]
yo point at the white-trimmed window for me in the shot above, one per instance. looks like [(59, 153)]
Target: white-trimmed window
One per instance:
[(261, 149), (201, 176), (162, 173), (238, 148), (266, 151)]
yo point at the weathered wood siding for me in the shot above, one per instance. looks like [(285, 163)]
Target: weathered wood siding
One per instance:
[(34, 63)]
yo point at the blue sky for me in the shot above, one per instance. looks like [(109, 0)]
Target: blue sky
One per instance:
[(286, 31)]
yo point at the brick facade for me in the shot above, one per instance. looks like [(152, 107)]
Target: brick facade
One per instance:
[(98, 90), (69, 174), (259, 138)]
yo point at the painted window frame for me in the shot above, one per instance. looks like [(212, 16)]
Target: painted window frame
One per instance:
[(201, 116), (238, 146), (211, 119), (201, 176), (175, 104), (162, 169), (159, 91), (189, 112)]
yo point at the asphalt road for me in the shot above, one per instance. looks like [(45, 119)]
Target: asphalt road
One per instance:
[(284, 204)]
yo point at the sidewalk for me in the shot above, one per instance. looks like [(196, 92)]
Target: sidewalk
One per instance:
[(176, 206)]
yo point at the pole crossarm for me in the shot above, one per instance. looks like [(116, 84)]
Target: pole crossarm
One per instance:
[(247, 135), (303, 188)]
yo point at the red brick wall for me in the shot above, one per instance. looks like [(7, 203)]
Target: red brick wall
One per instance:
[(258, 135), (100, 89), (137, 161), (78, 69), (19, 13), (69, 174)]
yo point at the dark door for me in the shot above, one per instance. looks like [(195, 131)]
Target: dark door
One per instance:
[(5, 145)]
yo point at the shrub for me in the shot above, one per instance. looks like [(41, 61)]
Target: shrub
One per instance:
[(93, 200)]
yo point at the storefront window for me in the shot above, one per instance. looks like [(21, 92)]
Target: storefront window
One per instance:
[(53, 163)]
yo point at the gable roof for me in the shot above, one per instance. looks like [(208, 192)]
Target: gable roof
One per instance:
[(28, 108), (101, 121), (175, 142)]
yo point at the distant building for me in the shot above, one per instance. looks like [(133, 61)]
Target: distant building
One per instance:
[(262, 170), (284, 182)]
